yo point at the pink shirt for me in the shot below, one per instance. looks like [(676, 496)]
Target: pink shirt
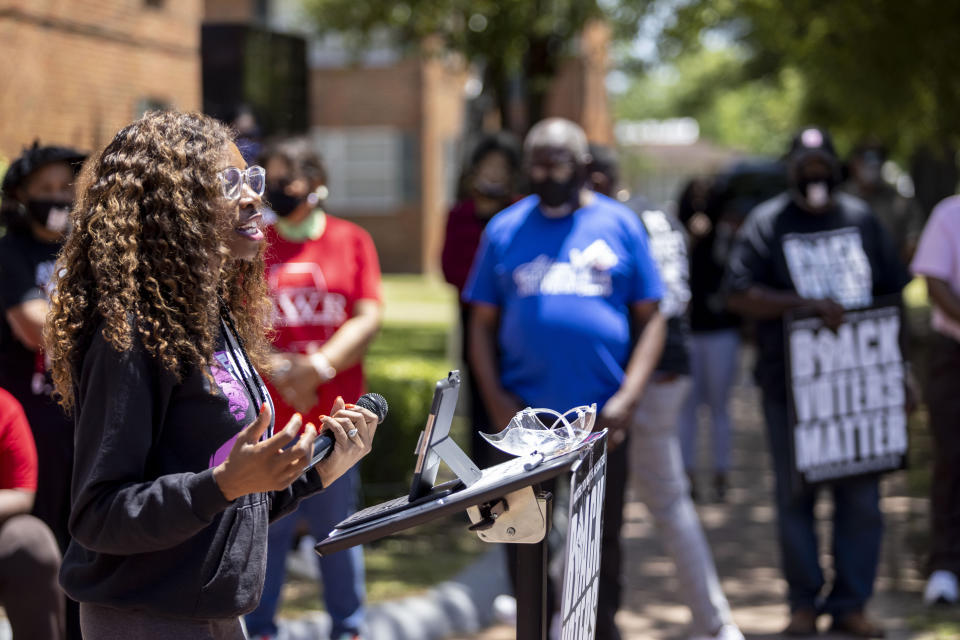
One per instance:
[(938, 256)]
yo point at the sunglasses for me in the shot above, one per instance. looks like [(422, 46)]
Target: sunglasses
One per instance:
[(232, 180)]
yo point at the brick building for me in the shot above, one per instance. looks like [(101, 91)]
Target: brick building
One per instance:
[(76, 71), (390, 134), (390, 127)]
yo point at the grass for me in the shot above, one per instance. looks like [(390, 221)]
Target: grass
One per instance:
[(419, 301), (915, 294), (420, 319), (400, 566), (942, 624)]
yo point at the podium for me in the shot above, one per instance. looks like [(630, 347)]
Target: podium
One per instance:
[(506, 505)]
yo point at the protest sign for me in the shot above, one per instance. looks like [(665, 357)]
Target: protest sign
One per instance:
[(848, 395)]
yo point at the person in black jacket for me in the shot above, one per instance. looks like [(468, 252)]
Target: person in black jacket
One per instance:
[(37, 194), (813, 247), (37, 190), (156, 332)]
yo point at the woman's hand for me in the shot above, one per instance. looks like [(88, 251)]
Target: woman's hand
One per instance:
[(347, 449), (254, 466)]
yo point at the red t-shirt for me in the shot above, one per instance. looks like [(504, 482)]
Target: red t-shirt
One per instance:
[(18, 453), (460, 243), (314, 286)]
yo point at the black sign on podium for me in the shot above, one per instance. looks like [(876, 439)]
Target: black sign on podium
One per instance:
[(505, 504)]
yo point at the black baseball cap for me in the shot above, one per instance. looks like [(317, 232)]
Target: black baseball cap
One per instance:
[(812, 140), (36, 157)]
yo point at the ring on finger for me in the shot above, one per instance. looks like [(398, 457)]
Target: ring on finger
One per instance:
[(353, 432)]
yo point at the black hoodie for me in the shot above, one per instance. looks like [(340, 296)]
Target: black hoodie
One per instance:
[(151, 529)]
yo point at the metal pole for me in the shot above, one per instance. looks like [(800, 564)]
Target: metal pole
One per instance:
[(532, 623)]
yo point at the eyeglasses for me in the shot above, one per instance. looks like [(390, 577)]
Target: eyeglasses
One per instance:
[(232, 180)]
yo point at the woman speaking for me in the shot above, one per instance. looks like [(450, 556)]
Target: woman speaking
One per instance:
[(156, 333)]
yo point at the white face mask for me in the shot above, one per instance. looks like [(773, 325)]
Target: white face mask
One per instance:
[(818, 194), (59, 219)]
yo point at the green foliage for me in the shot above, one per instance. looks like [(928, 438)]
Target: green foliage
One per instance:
[(403, 364), (407, 383), (878, 67), (709, 85), (478, 29), (508, 39)]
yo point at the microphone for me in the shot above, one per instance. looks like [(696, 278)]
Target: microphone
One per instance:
[(323, 445), (375, 403)]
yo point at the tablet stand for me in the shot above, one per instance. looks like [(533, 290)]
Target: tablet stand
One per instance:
[(453, 456)]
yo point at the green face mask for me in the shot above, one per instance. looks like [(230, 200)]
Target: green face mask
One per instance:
[(310, 228)]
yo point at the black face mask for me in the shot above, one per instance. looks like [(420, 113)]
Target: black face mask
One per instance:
[(555, 194), (282, 203), (54, 214)]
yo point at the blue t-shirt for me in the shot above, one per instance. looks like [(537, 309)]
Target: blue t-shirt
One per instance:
[(564, 286)]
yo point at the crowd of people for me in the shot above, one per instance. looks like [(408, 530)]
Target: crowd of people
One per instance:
[(653, 304), (169, 299)]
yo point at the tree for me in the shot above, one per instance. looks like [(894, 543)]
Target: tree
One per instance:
[(882, 67), (516, 43), (754, 115)]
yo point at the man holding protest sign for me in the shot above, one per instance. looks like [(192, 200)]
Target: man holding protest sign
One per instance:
[(813, 249)]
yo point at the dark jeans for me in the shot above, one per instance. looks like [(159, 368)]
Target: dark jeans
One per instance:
[(857, 529), (29, 593), (341, 573), (943, 403)]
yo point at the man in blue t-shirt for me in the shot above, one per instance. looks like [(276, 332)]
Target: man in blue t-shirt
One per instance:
[(564, 293)]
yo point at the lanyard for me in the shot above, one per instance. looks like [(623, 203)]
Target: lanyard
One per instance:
[(235, 346)]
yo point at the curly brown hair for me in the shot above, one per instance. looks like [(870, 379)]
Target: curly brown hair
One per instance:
[(147, 256)]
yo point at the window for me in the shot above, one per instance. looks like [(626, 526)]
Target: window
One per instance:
[(368, 168)]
